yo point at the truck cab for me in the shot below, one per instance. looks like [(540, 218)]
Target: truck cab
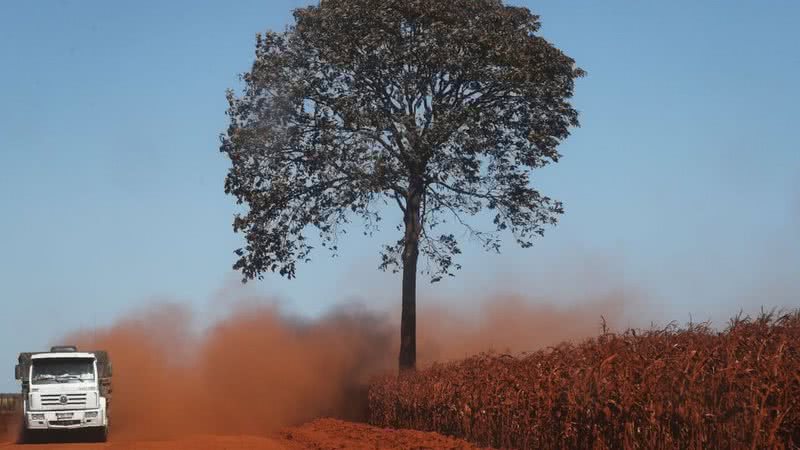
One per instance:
[(65, 389)]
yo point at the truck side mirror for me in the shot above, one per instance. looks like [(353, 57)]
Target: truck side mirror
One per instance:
[(17, 372)]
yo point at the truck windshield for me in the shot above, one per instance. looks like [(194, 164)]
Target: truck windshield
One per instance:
[(62, 370)]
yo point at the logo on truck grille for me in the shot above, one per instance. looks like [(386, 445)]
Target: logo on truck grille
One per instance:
[(62, 400)]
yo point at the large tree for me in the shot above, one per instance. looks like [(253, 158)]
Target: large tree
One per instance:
[(440, 107)]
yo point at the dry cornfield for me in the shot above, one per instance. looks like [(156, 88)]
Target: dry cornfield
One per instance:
[(687, 388)]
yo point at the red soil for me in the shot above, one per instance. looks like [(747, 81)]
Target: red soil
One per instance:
[(321, 434)]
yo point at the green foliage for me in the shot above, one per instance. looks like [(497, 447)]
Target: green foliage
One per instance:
[(442, 107)]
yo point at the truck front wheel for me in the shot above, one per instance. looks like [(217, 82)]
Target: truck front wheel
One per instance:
[(100, 434), (28, 436)]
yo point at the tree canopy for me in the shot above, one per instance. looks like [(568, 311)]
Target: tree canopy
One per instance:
[(440, 107)]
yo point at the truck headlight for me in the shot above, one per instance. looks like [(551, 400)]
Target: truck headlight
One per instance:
[(90, 414), (37, 416)]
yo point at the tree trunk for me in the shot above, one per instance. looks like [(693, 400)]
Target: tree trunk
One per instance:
[(408, 318)]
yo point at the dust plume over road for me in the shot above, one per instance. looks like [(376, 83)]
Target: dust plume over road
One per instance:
[(249, 373), (257, 370)]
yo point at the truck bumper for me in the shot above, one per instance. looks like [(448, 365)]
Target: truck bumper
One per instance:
[(65, 420)]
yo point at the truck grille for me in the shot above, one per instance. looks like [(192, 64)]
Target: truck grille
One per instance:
[(64, 423), (71, 399)]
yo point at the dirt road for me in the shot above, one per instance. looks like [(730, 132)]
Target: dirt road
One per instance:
[(320, 434)]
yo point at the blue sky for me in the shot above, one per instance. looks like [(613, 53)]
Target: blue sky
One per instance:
[(682, 185)]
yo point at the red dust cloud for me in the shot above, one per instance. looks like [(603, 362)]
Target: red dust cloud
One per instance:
[(256, 370), (512, 324)]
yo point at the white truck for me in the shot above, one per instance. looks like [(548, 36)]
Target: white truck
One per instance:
[(65, 389)]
